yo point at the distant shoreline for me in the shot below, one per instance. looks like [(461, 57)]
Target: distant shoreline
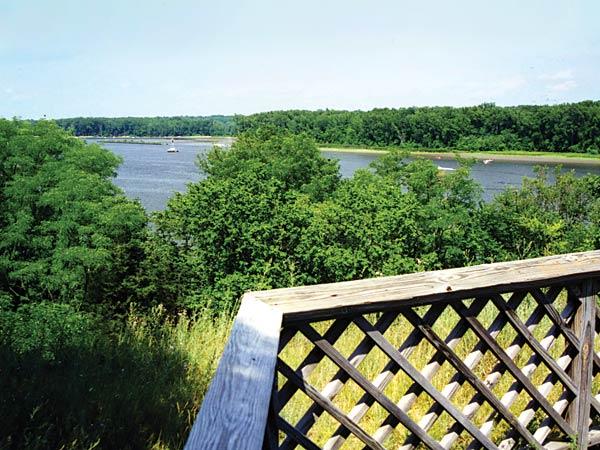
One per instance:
[(508, 156), (541, 157)]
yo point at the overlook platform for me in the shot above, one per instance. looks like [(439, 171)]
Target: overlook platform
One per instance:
[(496, 356)]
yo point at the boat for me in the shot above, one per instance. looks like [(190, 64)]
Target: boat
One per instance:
[(445, 169), (172, 148), (487, 161)]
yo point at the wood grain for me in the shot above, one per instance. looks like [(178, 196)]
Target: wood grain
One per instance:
[(378, 294), (234, 412)]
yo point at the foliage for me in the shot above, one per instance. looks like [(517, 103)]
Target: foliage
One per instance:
[(573, 127), (546, 216), (272, 213), (149, 126), (67, 234), (237, 228)]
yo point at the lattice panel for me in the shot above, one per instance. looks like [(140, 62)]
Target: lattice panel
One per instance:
[(498, 371)]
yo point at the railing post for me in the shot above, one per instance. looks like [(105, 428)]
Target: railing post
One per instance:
[(235, 409), (581, 367)]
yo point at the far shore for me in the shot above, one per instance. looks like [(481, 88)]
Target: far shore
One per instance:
[(541, 157), (509, 156)]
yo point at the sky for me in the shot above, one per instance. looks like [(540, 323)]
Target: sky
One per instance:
[(68, 58)]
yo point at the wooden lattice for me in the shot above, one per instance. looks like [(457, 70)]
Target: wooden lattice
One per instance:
[(530, 332), (498, 356)]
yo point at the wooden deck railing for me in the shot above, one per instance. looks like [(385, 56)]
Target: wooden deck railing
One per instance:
[(496, 356)]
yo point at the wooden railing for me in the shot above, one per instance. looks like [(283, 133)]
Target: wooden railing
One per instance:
[(496, 356)]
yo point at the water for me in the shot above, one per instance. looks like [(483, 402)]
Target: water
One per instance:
[(494, 177), (153, 175)]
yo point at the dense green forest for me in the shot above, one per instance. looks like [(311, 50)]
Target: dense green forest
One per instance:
[(571, 127), (109, 328), (149, 126)]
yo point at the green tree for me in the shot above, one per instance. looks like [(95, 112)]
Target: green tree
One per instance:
[(67, 233)]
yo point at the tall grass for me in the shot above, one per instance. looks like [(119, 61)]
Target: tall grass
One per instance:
[(135, 385)]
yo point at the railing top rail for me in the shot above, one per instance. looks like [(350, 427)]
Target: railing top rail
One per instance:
[(376, 294)]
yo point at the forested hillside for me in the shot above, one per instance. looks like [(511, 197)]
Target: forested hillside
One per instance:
[(571, 127)]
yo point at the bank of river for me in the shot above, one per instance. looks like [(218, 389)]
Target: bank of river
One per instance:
[(529, 157), (153, 175)]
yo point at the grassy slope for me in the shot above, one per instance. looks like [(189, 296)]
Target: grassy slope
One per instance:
[(138, 386)]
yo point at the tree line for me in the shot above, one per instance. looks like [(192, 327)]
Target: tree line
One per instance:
[(149, 126), (573, 127)]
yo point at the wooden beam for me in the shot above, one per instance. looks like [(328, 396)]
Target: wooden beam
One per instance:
[(378, 294), (234, 410), (582, 374)]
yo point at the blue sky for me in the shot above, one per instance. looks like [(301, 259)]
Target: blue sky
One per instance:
[(65, 58)]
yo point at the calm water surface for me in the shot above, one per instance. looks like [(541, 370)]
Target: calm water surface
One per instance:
[(151, 174)]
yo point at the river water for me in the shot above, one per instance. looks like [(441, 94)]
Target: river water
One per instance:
[(152, 174)]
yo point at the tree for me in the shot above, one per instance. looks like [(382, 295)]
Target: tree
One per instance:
[(67, 233)]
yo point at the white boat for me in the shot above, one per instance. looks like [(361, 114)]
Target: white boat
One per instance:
[(446, 169), (487, 161), (172, 148)]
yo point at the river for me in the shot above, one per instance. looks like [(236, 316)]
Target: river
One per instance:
[(152, 174)]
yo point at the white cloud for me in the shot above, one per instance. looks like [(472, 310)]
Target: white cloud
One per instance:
[(563, 86), (493, 90), (561, 81), (565, 74)]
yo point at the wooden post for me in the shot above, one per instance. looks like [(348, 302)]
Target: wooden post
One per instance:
[(234, 412), (581, 368)]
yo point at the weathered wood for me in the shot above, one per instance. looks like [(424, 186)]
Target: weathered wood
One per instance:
[(432, 367), (521, 329), (514, 370), (271, 440), (311, 360), (295, 435), (494, 377), (594, 440), (417, 377), (378, 294), (241, 409), (528, 369), (466, 372), (383, 379), (555, 317), (584, 323), (339, 379), (234, 411), (367, 386), (471, 360), (327, 405)]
